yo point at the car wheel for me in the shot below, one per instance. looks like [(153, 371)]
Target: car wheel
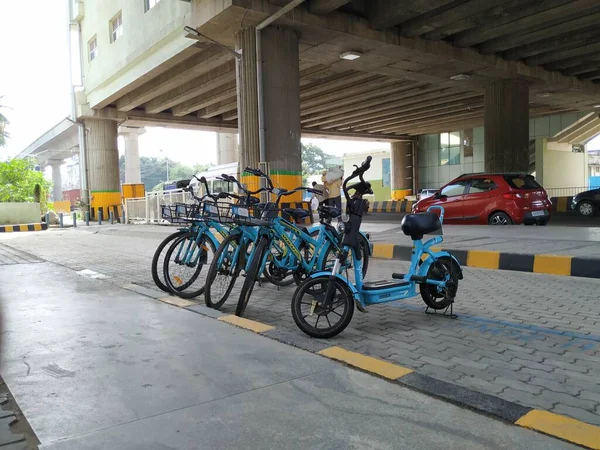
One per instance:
[(586, 208), (499, 218)]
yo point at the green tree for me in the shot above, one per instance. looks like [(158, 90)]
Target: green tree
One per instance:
[(314, 161), (3, 123), (154, 171), (18, 181)]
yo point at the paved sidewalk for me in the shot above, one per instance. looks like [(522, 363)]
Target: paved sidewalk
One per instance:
[(94, 366), (532, 339)]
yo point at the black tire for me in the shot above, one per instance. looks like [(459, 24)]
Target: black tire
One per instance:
[(309, 291), (156, 260), (223, 275), (499, 218), (365, 247), (252, 275), (300, 274), (437, 271), (192, 283), (586, 208)]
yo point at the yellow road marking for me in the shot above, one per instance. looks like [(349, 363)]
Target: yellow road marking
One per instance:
[(248, 324), (8, 228), (176, 301), (367, 363), (483, 259), (37, 227), (552, 264), (571, 430)]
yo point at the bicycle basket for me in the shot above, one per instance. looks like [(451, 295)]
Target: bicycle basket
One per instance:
[(217, 212), (249, 215), (180, 212)]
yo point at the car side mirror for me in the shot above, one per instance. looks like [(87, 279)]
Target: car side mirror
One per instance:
[(437, 195)]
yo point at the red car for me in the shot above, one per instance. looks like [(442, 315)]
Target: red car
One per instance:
[(494, 199)]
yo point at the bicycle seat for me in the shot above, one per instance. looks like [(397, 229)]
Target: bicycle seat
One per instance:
[(330, 211), (416, 225), (296, 213)]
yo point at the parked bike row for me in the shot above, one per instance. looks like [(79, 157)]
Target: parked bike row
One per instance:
[(226, 236)]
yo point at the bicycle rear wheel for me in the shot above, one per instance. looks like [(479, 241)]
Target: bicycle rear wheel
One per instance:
[(252, 275), (186, 264), (159, 258), (224, 270)]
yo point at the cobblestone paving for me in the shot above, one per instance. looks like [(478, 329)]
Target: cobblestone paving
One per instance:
[(533, 339)]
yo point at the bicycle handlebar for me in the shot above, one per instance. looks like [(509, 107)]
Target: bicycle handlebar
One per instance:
[(358, 172)]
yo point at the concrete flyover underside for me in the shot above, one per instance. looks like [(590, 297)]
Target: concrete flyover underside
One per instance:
[(401, 85)]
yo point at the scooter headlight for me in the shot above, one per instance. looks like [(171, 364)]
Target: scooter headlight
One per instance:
[(341, 227)]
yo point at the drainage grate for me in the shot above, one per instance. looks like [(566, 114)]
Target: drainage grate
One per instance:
[(9, 256)]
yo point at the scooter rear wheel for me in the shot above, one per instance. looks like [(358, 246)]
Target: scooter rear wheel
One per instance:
[(310, 315), (440, 269)]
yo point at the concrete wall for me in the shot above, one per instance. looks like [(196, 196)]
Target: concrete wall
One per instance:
[(432, 174), (374, 175), (19, 213), (149, 38)]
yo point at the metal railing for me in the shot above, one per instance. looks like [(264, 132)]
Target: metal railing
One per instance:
[(566, 191), (148, 209)]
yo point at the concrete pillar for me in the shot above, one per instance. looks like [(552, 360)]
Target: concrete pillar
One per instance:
[(56, 180), (103, 165), (133, 174), (249, 153), (401, 169), (227, 148), (506, 126), (281, 87)]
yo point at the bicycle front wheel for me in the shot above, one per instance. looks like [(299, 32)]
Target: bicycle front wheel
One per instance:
[(186, 264), (224, 270), (252, 275), (316, 317)]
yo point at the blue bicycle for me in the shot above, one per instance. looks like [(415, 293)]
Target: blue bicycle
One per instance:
[(323, 305)]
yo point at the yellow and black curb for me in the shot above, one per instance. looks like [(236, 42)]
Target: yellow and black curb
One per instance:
[(555, 425), (23, 227), (546, 264)]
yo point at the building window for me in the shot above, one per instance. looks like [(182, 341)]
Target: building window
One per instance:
[(116, 27), (450, 148), (149, 4), (93, 48)]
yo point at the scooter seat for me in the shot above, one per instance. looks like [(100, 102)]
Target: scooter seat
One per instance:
[(297, 213), (417, 225)]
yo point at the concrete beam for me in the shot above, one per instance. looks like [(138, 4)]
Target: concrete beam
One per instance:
[(205, 100), (573, 54), (339, 81), (325, 6), (523, 18), (205, 83), (548, 32), (439, 119), (191, 68), (225, 105), (571, 62), (593, 64), (378, 92), (392, 105), (474, 21), (387, 13), (551, 45), (422, 112), (366, 86), (445, 15), (595, 75)]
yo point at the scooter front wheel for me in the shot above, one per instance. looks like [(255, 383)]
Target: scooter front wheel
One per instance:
[(443, 268), (320, 318)]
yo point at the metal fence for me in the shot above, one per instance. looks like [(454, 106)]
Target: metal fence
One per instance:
[(148, 209)]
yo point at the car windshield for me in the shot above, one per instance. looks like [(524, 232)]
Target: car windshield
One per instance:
[(522, 182)]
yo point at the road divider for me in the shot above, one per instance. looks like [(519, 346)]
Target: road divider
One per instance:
[(546, 264)]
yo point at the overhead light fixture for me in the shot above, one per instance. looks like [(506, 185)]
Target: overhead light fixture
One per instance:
[(460, 77), (544, 94), (350, 56)]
